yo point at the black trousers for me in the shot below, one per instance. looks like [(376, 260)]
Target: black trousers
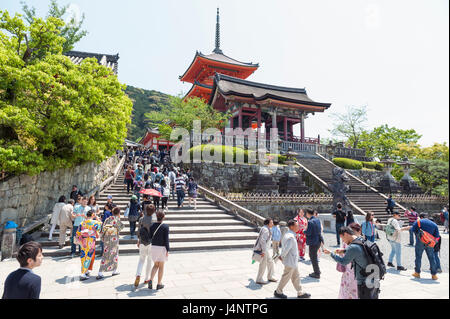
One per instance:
[(314, 260), (390, 210), (367, 293), (164, 202)]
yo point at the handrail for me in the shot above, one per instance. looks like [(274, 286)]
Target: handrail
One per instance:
[(362, 182), (327, 187), (238, 210)]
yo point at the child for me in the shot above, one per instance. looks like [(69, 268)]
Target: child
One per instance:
[(276, 238)]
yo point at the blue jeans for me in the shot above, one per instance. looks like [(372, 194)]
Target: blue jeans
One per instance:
[(420, 247), (338, 226), (73, 247), (180, 197), (437, 260), (411, 237), (396, 251), (132, 228), (371, 238)]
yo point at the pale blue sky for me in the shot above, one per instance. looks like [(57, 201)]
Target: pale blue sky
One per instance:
[(389, 55)]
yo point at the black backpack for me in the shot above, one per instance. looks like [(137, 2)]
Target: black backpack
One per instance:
[(374, 256), (144, 236)]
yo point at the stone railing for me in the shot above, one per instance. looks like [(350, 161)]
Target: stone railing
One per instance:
[(418, 198), (278, 198), (310, 145), (234, 208)]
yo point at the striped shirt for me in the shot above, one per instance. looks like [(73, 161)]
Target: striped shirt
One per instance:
[(180, 182), (412, 217)]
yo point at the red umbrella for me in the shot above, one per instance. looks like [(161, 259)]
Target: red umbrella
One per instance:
[(151, 192)]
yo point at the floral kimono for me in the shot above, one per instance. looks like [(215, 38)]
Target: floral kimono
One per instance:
[(301, 236), (110, 236), (349, 285), (86, 235)]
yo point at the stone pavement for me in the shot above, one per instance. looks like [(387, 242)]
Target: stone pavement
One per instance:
[(224, 274)]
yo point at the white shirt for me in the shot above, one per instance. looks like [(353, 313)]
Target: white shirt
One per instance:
[(289, 253), (397, 237), (264, 240)]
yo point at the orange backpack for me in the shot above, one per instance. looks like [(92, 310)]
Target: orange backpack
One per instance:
[(426, 238)]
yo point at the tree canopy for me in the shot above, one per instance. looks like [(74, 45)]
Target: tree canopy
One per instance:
[(350, 124), (54, 113), (182, 113), (383, 140), (71, 31)]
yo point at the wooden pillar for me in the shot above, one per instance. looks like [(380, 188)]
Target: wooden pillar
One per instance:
[(259, 122), (302, 129), (285, 128), (231, 122), (274, 119), (240, 117)]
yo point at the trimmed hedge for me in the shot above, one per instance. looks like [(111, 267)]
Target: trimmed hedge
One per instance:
[(373, 165), (348, 163), (228, 150)]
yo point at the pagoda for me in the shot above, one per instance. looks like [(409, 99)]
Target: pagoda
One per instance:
[(204, 66), (221, 82)]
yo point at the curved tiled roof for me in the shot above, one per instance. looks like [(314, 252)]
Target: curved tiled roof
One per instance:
[(228, 85), (108, 60)]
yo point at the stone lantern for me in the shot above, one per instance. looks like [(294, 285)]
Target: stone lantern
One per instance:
[(291, 182), (330, 149), (388, 183), (407, 183)]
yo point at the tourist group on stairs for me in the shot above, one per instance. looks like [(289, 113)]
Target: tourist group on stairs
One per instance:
[(151, 179)]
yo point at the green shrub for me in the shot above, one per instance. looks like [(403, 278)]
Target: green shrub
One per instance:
[(347, 163), (227, 152), (373, 165)]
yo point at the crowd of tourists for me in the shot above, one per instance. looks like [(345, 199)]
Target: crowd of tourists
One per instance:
[(145, 170), (357, 249)]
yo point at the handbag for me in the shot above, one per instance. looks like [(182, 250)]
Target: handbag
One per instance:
[(340, 267), (257, 253)]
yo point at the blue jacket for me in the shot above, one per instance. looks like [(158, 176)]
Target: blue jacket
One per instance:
[(313, 232), (276, 233), (22, 284), (426, 225)]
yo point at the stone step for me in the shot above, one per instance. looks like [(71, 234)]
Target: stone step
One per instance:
[(174, 238), (184, 230), (176, 217), (190, 246)]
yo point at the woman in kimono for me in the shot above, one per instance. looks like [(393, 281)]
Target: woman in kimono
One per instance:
[(86, 235), (349, 285), (110, 237), (301, 236)]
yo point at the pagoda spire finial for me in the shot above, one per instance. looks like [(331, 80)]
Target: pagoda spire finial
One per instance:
[(217, 49)]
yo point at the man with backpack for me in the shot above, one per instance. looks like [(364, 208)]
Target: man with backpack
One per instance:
[(394, 236), (366, 259), (427, 236)]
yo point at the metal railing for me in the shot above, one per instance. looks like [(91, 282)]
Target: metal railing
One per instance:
[(234, 208)]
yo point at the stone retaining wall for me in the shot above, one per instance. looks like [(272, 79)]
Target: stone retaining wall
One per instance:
[(24, 198), (372, 178), (234, 178)]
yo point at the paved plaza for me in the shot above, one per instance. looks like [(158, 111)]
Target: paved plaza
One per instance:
[(224, 274)]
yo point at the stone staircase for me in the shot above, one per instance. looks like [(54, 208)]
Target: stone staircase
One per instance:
[(359, 194), (209, 227)]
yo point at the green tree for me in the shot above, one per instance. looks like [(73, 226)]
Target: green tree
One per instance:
[(432, 176), (382, 141), (54, 113), (71, 31), (181, 112), (350, 124)]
